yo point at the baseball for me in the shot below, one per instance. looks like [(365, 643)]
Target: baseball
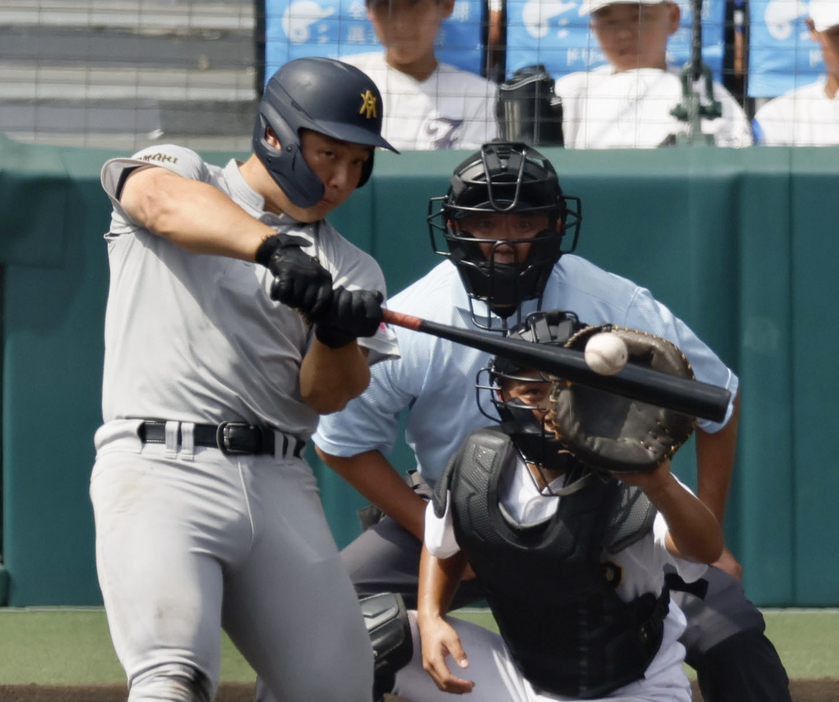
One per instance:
[(606, 353)]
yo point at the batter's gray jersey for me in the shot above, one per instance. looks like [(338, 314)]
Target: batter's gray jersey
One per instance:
[(190, 537), (196, 338)]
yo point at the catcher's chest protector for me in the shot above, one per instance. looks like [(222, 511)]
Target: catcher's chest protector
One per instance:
[(567, 630)]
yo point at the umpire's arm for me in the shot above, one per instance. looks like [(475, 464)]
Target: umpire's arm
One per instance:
[(376, 479), (715, 455)]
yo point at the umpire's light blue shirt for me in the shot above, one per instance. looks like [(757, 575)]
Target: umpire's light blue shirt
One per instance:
[(435, 378)]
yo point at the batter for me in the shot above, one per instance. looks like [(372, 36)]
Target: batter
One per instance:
[(236, 314)]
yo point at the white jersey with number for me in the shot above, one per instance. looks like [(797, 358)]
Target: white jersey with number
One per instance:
[(603, 109), (196, 338), (451, 109), (802, 117)]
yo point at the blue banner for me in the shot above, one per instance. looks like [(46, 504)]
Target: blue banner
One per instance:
[(782, 56), (335, 28), (553, 33)]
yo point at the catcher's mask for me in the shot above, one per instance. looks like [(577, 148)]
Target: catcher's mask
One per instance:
[(325, 96), (536, 443), (504, 178)]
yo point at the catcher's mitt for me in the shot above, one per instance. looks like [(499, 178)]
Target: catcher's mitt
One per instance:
[(611, 433)]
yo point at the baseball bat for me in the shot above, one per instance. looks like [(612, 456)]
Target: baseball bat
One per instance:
[(690, 397)]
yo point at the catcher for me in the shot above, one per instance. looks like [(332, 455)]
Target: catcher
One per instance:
[(571, 553)]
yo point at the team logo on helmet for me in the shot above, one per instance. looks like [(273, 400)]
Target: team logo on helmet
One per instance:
[(321, 95), (369, 105)]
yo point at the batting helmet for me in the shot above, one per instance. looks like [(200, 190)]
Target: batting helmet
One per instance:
[(504, 178), (325, 96), (534, 442)]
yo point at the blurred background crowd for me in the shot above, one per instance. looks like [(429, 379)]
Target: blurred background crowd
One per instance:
[(123, 74)]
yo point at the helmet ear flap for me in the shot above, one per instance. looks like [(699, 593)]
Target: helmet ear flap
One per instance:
[(285, 163), (504, 178), (325, 96)]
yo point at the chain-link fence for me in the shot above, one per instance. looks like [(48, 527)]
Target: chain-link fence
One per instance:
[(126, 73)]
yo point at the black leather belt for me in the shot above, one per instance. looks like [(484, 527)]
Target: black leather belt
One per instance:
[(233, 438)]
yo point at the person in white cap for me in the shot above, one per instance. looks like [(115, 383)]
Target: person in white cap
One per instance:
[(808, 116), (428, 105), (627, 103)]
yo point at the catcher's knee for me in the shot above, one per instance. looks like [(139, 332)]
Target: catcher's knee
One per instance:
[(390, 633), (178, 682)]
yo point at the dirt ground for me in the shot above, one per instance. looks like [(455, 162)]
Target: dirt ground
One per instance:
[(822, 690)]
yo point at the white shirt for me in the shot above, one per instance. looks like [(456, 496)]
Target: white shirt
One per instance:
[(641, 565), (631, 109), (802, 117), (196, 338), (451, 109), (435, 378)]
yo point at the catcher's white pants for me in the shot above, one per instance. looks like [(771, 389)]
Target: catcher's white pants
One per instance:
[(497, 679), (186, 545)]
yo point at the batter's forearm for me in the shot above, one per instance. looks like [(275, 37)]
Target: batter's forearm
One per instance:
[(330, 378), (193, 215)]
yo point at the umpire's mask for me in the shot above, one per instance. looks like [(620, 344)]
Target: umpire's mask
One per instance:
[(503, 178)]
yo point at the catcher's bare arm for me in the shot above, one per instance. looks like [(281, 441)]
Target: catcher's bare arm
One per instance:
[(694, 532), (438, 580)]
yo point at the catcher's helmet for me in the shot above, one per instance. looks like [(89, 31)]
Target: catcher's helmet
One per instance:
[(325, 96), (535, 443), (504, 178)]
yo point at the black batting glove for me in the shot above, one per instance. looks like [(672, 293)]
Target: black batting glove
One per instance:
[(353, 313), (299, 280)]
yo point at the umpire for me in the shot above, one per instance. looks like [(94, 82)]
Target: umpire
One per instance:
[(509, 234)]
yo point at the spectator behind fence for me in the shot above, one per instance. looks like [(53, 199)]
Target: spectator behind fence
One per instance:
[(429, 105), (808, 116), (628, 103)]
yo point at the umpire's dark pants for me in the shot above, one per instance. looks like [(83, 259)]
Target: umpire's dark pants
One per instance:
[(725, 643)]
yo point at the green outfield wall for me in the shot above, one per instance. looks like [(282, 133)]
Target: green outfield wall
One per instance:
[(741, 244)]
